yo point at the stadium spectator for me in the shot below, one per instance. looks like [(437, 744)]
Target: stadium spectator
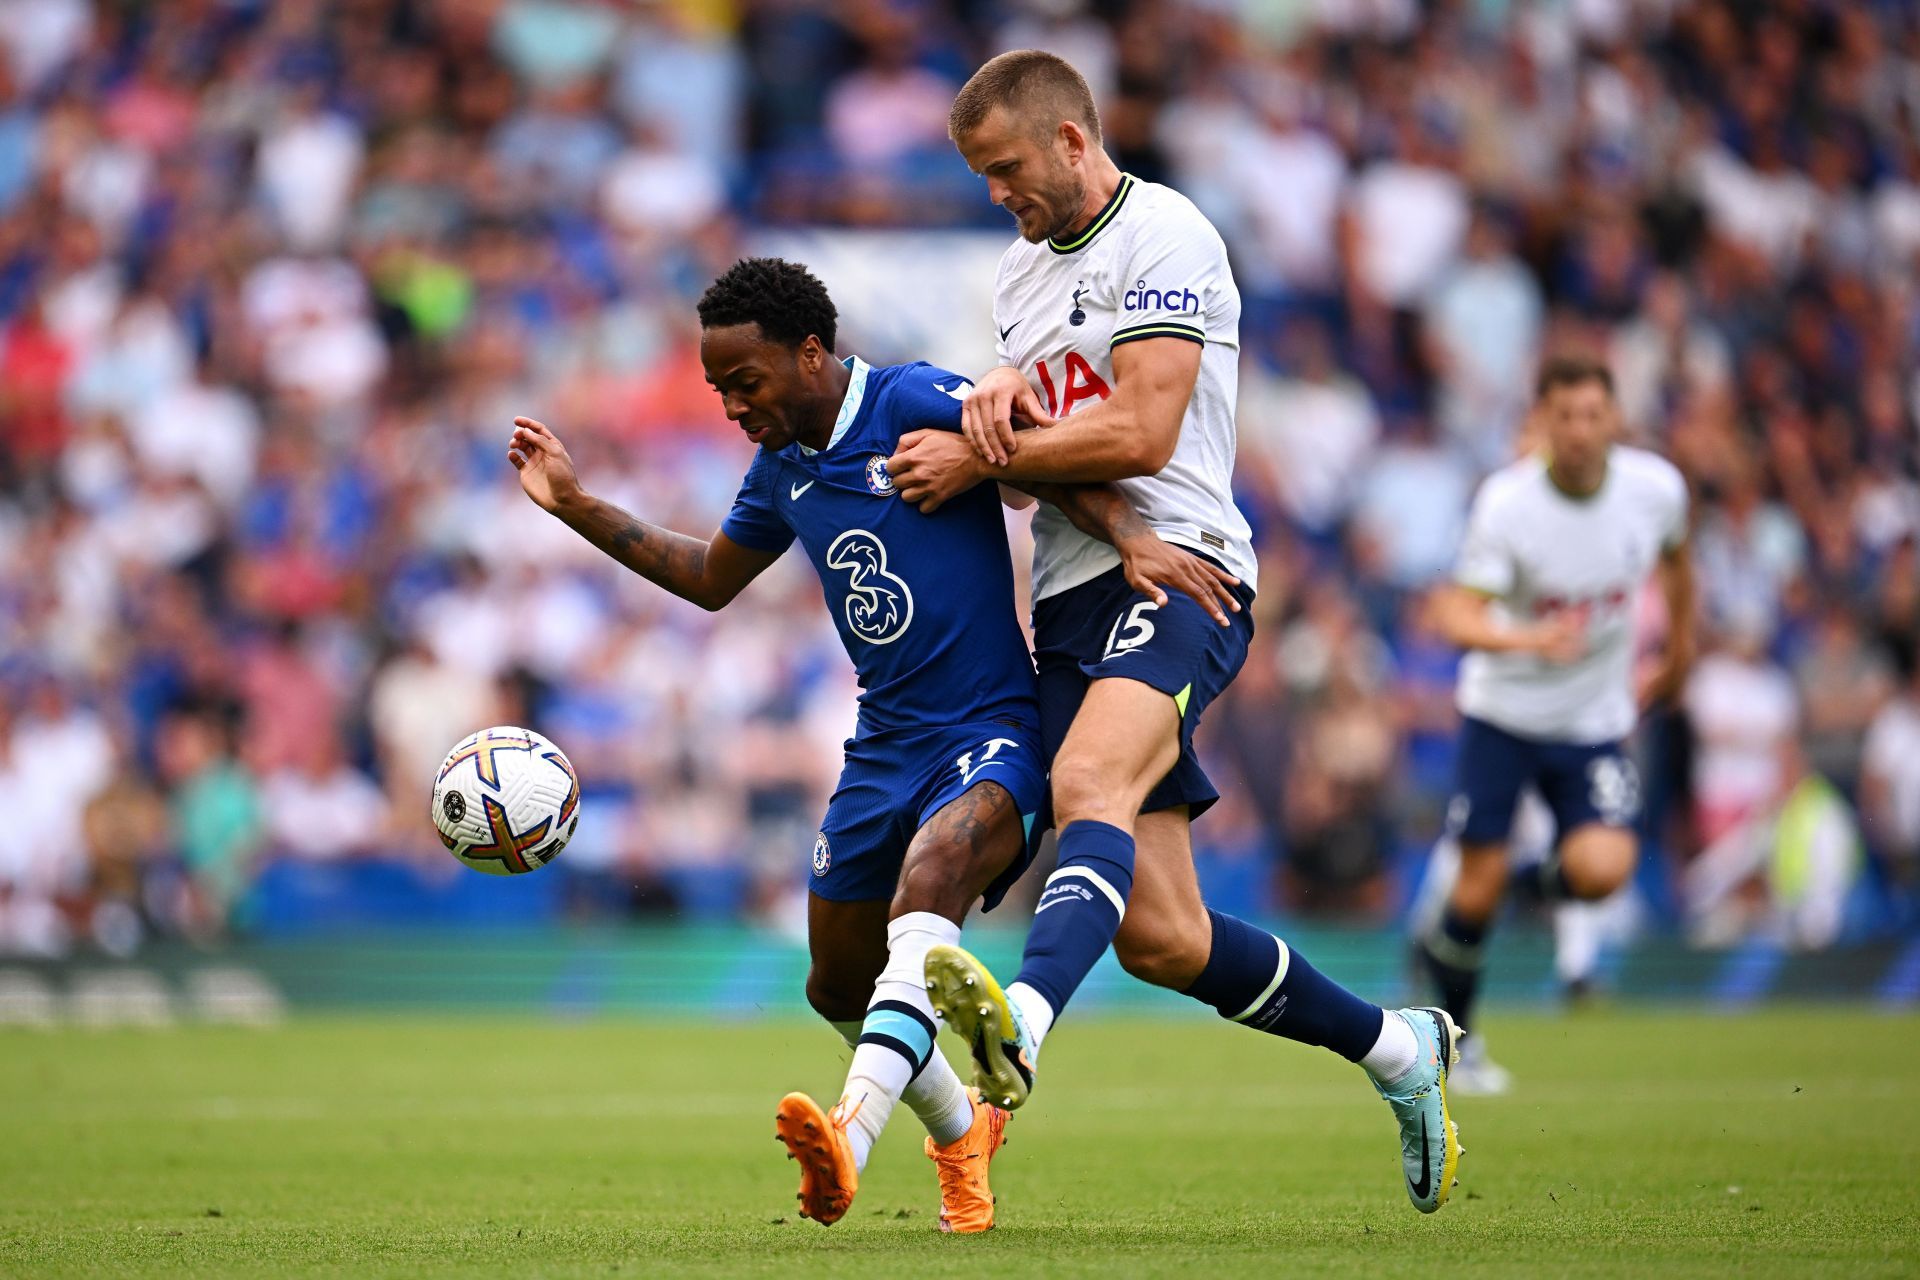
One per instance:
[(1843, 682), (1312, 426), (216, 815), (1890, 782), (319, 807), (1784, 871), (274, 277), (1743, 711), (1483, 322)]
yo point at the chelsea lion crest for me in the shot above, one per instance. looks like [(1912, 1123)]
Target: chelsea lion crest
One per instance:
[(822, 856), (877, 478)]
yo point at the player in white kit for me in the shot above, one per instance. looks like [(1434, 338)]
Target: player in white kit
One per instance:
[(1558, 547), (1118, 326)]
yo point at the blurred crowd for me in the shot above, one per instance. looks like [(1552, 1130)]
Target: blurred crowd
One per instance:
[(276, 274)]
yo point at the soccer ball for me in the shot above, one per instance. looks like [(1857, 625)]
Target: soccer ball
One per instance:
[(506, 801)]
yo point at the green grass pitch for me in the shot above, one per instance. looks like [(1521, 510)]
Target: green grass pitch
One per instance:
[(1666, 1143)]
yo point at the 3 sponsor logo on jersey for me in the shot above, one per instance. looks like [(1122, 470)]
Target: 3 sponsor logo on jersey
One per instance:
[(1143, 297), (878, 480), (879, 606)]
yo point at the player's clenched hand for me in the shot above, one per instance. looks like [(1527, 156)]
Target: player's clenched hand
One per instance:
[(1561, 639), (1151, 564), (932, 467), (989, 413), (546, 471), (1664, 683)]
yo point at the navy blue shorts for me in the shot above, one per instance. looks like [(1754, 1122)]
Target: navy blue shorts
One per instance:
[(1105, 628), (894, 781), (1582, 782)]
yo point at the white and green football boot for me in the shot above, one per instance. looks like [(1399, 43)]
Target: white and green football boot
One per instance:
[(1429, 1141)]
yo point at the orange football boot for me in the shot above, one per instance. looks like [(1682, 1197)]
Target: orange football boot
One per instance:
[(818, 1140), (966, 1201)]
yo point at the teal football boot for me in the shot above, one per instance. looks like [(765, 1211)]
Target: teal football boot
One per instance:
[(1429, 1141)]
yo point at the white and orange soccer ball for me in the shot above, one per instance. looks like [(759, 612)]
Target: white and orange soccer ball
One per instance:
[(506, 801)]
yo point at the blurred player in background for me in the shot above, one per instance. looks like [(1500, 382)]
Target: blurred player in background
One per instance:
[(945, 773), (1558, 547), (1118, 322)]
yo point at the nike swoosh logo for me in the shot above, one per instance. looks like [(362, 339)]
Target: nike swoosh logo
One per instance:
[(801, 488), (1421, 1188), (1010, 328)]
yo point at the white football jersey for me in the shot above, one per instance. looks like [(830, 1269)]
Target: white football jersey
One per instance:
[(1150, 265), (1539, 552)]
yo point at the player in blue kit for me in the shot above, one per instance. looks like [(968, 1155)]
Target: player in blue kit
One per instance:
[(944, 774)]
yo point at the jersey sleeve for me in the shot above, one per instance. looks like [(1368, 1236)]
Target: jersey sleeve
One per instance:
[(1002, 353), (753, 522), (1486, 559), (1673, 507), (925, 397), (1174, 277)]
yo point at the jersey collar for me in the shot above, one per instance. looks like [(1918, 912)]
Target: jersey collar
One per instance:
[(850, 406), (1100, 220), (1546, 469)]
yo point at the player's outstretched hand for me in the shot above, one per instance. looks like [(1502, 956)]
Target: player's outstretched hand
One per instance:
[(1151, 565), (992, 409), (546, 470), (932, 467)]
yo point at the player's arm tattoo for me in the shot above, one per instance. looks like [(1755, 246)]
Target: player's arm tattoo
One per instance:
[(679, 563), (1151, 564), (1098, 510)]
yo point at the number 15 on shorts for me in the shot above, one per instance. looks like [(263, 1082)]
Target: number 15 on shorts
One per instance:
[(1131, 629)]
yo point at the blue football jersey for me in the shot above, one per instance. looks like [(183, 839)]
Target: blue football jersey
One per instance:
[(924, 603)]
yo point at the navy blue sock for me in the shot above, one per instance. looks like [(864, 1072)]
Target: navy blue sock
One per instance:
[(1454, 953), (1078, 914), (1255, 979), (1543, 881)]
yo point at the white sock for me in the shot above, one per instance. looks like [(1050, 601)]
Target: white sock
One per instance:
[(1395, 1052), (936, 1095), (1576, 940), (1034, 1009), (940, 1100), (898, 1035)]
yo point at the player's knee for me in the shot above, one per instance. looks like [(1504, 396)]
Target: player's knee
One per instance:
[(1597, 866), (1084, 790), (836, 997), (941, 885), (1164, 957)]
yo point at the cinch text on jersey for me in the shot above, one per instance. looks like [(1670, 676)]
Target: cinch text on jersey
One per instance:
[(1141, 298)]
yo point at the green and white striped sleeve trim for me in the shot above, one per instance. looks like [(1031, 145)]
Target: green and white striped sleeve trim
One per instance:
[(1159, 329)]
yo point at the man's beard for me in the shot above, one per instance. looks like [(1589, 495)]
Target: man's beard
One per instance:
[(1067, 199)]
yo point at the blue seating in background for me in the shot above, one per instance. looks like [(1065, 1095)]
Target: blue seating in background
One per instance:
[(293, 897)]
